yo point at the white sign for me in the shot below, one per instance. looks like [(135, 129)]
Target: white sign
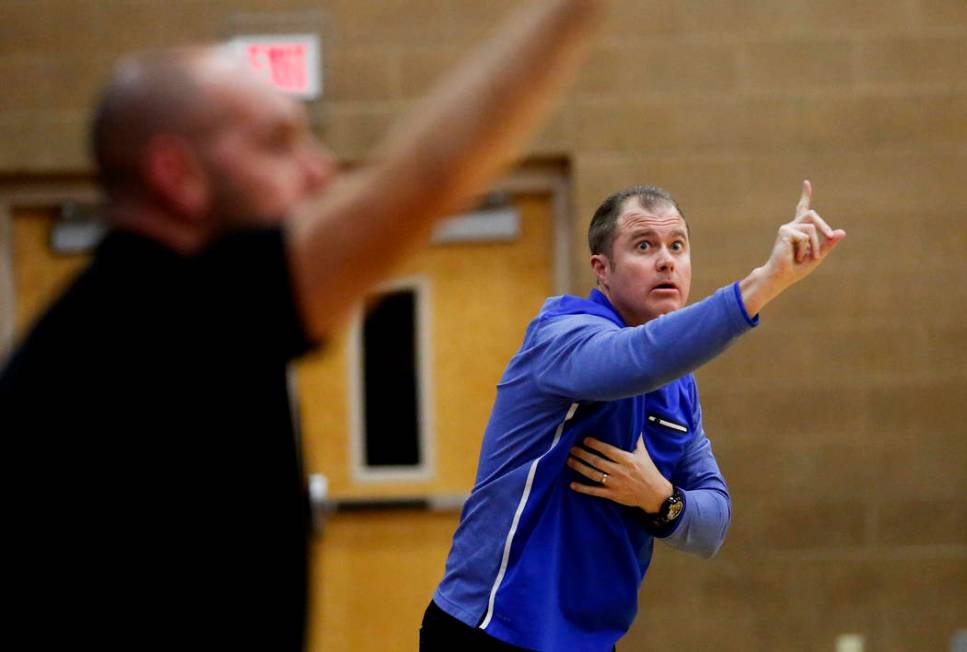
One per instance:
[(290, 62), (493, 225)]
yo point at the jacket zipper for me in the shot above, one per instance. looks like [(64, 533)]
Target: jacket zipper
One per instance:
[(667, 424)]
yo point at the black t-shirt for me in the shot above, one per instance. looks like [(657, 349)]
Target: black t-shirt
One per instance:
[(156, 496)]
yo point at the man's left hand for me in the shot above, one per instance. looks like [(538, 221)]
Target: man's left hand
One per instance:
[(627, 478)]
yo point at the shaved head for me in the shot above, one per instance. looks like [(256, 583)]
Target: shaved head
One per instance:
[(152, 93), (189, 143)]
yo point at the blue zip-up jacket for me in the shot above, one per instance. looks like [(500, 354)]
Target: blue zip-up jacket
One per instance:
[(533, 562)]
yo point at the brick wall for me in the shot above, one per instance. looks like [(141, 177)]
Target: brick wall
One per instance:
[(841, 422)]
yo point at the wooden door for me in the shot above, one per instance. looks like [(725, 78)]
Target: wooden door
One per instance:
[(374, 571), (39, 274)]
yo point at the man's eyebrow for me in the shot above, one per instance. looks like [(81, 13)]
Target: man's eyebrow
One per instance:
[(646, 233)]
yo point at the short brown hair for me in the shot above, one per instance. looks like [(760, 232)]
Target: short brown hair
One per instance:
[(603, 224)]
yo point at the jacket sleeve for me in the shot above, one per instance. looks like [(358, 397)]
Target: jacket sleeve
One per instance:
[(587, 358), (701, 528)]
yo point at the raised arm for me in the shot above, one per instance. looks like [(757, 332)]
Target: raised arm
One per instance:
[(583, 357), (587, 358), (451, 146)]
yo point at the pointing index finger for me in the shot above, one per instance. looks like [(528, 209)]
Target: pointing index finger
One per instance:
[(805, 199)]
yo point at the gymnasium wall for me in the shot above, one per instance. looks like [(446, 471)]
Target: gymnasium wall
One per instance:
[(840, 422)]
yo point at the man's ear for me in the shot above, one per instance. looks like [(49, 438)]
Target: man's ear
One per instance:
[(600, 267), (175, 177)]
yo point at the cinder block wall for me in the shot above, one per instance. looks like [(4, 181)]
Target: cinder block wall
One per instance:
[(840, 423)]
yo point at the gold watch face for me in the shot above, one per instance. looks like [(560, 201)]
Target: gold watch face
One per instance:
[(674, 510)]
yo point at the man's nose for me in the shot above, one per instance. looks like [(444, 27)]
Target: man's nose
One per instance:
[(665, 262)]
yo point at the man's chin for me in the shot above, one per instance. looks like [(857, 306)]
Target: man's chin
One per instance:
[(663, 306), (655, 309)]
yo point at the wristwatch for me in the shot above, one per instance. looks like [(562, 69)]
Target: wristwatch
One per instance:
[(670, 509)]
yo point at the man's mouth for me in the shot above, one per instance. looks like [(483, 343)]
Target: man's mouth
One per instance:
[(665, 287)]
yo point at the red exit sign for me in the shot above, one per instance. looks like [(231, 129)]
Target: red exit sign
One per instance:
[(289, 62)]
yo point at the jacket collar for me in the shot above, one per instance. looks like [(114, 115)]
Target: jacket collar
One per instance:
[(595, 304)]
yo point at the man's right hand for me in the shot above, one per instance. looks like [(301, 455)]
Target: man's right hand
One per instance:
[(801, 246)]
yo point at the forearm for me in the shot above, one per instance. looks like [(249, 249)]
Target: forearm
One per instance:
[(452, 145), (475, 119), (758, 289), (708, 506), (704, 523), (620, 363)]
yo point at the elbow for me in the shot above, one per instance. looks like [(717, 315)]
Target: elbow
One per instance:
[(712, 547), (707, 544)]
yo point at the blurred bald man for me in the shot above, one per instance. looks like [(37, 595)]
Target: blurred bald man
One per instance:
[(159, 498)]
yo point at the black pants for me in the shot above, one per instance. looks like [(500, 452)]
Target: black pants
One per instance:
[(441, 632)]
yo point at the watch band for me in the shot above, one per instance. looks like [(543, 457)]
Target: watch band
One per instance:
[(670, 510)]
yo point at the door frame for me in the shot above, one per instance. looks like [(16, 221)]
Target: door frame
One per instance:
[(553, 180), (28, 194)]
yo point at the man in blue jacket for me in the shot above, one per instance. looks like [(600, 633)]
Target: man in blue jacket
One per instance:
[(595, 445)]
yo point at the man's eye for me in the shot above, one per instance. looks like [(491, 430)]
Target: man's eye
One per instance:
[(644, 246), (678, 246)]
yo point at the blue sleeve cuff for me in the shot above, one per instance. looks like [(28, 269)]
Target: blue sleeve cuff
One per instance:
[(752, 321)]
